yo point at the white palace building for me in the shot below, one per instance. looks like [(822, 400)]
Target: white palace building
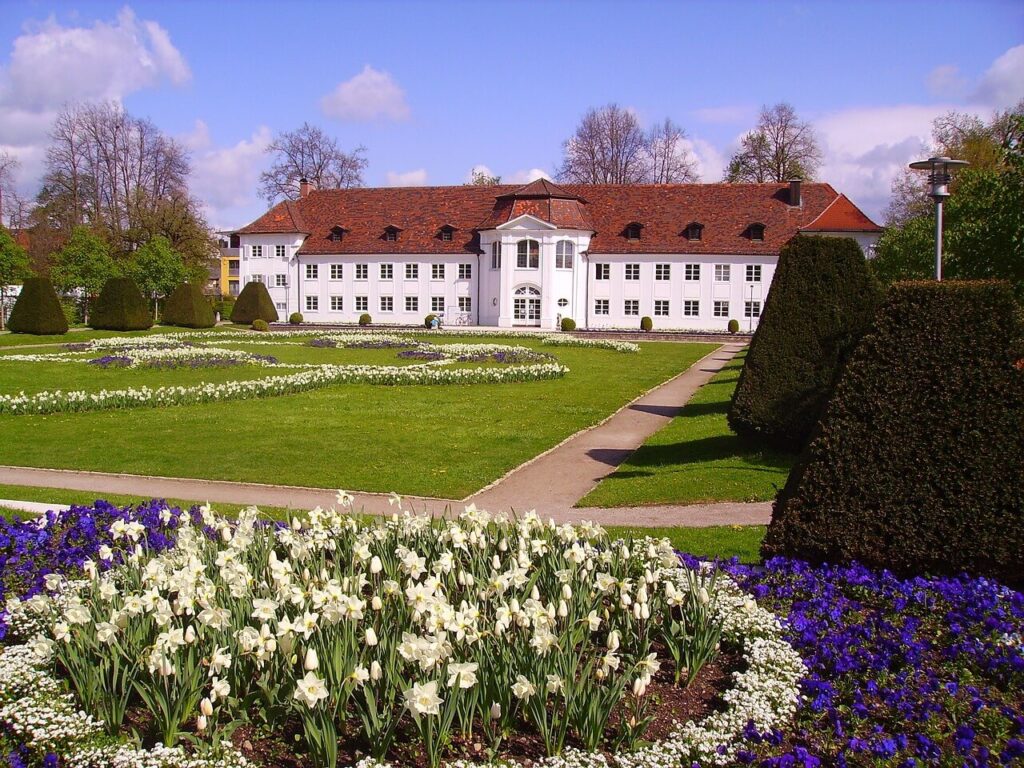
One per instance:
[(689, 256)]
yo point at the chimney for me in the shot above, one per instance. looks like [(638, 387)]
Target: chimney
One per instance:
[(794, 191), (304, 187)]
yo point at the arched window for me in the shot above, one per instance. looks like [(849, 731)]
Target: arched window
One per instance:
[(632, 230), (528, 254), (526, 305), (564, 252), (694, 231)]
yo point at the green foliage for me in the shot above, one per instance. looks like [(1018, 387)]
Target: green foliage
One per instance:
[(187, 306), (906, 252), (428, 320), (37, 309), (734, 326), (295, 318), (918, 461), (225, 307), (121, 307), (646, 323), (568, 324), (84, 264), (823, 299), (260, 325), (254, 303), (14, 268), (365, 319), (157, 267)]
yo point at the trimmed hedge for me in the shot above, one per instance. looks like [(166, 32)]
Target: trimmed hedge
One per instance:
[(646, 324), (37, 310), (919, 459), (254, 303), (295, 318), (188, 306), (822, 300), (121, 307), (365, 319), (568, 324)]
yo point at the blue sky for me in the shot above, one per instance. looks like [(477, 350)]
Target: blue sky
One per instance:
[(434, 89)]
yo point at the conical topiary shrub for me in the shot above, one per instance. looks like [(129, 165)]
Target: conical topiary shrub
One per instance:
[(120, 307), (822, 300), (188, 306), (37, 309), (918, 459), (254, 303)]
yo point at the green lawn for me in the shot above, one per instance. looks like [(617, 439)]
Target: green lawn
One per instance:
[(443, 441), (696, 458), (8, 339), (719, 541)]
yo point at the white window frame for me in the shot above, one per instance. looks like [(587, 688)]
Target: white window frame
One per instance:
[(387, 271), (437, 304), (387, 303), (337, 303), (496, 255), (257, 251), (723, 273), (337, 271), (528, 256), (312, 271), (631, 307), (437, 271), (465, 271), (661, 307), (691, 272), (362, 303), (720, 308), (257, 279), (312, 303), (362, 271), (280, 280), (663, 271), (691, 307), (601, 307), (412, 303), (412, 271), (752, 309), (465, 303), (280, 252), (632, 271), (753, 273), (565, 252), (602, 271)]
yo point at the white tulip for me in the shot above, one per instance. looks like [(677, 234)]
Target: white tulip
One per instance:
[(495, 711), (310, 662), (370, 637), (376, 673), (206, 707), (376, 566), (201, 723)]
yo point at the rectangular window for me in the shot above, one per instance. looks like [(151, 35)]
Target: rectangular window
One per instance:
[(753, 273), (336, 304), (412, 304), (280, 306), (280, 281), (437, 303), (437, 271), (412, 271), (337, 271), (257, 251), (752, 309), (600, 306), (602, 271), (387, 271), (256, 279), (279, 251), (312, 271), (387, 304), (662, 271), (632, 307), (661, 307), (446, 235), (722, 273), (721, 309), (495, 255), (465, 271), (362, 271), (691, 308), (632, 271), (465, 304), (691, 272), (312, 303), (362, 303)]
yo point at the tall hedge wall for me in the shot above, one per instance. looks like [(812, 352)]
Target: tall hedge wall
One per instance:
[(254, 303), (919, 462), (821, 302), (187, 306), (121, 307), (37, 309)]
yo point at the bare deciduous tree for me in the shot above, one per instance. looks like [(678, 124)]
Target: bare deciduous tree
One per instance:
[(780, 147), (309, 153), (669, 159), (8, 166), (609, 147)]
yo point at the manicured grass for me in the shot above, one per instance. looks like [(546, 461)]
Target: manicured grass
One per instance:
[(724, 541), (8, 339), (696, 458), (445, 441)]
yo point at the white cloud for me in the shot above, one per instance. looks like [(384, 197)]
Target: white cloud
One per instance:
[(225, 178), (370, 95), (735, 113), (525, 177), (1002, 85), (415, 178), (198, 138), (947, 82), (710, 162)]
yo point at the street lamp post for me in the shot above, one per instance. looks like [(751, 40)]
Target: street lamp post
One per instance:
[(940, 173)]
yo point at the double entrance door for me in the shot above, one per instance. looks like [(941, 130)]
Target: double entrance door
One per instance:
[(526, 306)]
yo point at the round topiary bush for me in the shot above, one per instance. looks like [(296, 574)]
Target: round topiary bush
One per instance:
[(37, 310), (254, 303), (646, 323), (260, 325), (295, 318), (365, 319), (568, 324), (188, 307), (121, 307), (734, 326)]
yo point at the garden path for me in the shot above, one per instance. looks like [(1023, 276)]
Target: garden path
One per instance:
[(551, 483)]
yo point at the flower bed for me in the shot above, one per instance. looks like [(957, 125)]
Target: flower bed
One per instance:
[(573, 341), (386, 633)]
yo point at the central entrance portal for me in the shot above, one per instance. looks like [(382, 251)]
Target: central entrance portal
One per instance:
[(526, 306)]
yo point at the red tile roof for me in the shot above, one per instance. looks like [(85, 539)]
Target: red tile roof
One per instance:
[(841, 215), (725, 210)]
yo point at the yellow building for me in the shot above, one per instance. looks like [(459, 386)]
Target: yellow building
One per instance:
[(229, 256)]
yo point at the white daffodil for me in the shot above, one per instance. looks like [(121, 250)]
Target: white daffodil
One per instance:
[(523, 688), (423, 699), (462, 675), (310, 690)]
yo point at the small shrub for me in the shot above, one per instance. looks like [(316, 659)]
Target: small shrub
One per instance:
[(734, 326), (365, 319), (295, 318), (188, 307), (260, 325), (568, 324), (916, 465), (37, 310), (254, 303), (646, 323), (428, 320)]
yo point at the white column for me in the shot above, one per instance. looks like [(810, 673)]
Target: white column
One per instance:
[(505, 291), (547, 284)]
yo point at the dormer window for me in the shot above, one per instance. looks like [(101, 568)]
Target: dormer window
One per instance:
[(694, 231), (337, 233), (446, 232), (632, 231), (391, 233), (755, 231)]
